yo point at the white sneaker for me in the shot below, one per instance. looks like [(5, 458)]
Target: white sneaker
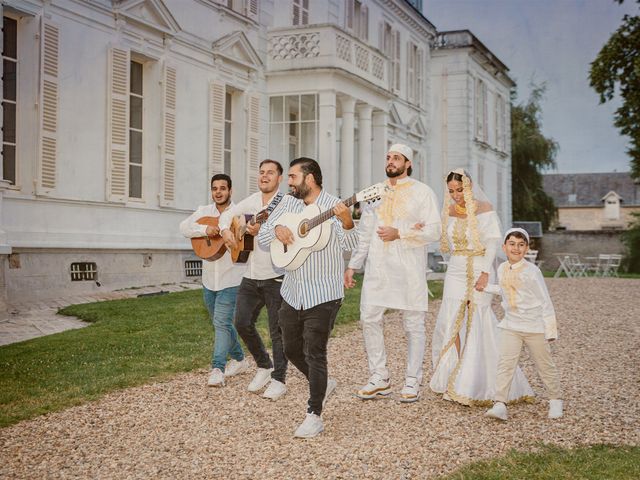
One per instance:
[(275, 390), (499, 411), (311, 427), (411, 391), (235, 367), (376, 386), (555, 408), (260, 379), (331, 386), (216, 379)]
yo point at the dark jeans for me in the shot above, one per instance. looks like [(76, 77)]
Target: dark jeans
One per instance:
[(306, 334), (252, 296)]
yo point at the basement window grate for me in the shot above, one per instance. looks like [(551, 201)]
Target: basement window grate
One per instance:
[(82, 271), (193, 268)]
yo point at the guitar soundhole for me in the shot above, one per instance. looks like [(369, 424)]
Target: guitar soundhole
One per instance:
[(303, 229)]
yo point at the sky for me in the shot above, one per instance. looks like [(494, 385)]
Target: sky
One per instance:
[(552, 41)]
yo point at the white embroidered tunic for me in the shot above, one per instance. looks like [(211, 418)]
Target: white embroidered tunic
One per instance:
[(525, 299), (395, 272)]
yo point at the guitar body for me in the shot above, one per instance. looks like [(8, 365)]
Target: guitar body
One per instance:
[(291, 257), (208, 248), (244, 240)]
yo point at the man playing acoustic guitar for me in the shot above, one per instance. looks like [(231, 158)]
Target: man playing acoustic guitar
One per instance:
[(220, 280), (312, 294), (261, 283)]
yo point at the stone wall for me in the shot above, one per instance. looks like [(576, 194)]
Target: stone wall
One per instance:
[(587, 243)]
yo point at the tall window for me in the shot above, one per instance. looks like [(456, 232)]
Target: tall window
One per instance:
[(9, 97), (293, 126), (415, 73), (481, 110), (135, 130), (300, 12), (391, 47), (227, 132), (357, 19)]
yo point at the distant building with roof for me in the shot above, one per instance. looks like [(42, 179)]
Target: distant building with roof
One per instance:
[(593, 201)]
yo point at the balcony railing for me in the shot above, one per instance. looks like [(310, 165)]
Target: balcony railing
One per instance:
[(325, 46)]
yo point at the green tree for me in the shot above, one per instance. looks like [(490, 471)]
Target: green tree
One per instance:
[(531, 154), (631, 240), (617, 69)]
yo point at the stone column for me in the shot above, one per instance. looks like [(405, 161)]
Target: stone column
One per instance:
[(327, 140), (364, 146), (379, 153), (346, 146)]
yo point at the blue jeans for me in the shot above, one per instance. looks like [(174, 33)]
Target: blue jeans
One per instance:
[(221, 306)]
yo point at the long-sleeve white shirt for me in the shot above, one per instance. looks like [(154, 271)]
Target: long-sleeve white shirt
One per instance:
[(525, 299), (218, 274), (259, 265), (320, 278), (395, 272)]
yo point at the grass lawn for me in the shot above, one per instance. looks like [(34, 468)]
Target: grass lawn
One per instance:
[(596, 462), (130, 342)]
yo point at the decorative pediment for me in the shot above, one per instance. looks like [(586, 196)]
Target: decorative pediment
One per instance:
[(394, 116), (416, 127), (150, 13), (236, 48)]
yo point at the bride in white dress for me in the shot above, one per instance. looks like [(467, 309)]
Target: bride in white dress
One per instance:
[(464, 346)]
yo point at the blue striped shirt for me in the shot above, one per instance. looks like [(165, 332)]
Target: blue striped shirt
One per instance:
[(320, 278)]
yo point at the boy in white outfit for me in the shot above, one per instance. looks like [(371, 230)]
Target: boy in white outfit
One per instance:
[(529, 319)]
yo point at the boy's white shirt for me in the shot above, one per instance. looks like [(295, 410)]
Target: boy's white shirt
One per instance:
[(533, 312)]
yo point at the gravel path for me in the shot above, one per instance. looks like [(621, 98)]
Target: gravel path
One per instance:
[(182, 429)]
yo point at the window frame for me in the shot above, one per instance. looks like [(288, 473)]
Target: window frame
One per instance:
[(13, 182), (140, 130)]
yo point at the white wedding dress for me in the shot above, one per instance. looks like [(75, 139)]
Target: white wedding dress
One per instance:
[(468, 376)]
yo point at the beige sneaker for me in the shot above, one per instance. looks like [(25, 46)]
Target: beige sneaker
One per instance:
[(275, 390), (216, 379), (310, 427), (411, 391), (376, 386), (236, 367)]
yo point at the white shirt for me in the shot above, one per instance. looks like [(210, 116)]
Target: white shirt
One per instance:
[(259, 266), (396, 272), (218, 274), (320, 278), (525, 299)]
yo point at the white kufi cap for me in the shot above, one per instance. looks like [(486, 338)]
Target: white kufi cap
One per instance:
[(403, 149)]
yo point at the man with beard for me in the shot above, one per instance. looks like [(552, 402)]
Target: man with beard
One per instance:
[(260, 286), (393, 234), (312, 294), (220, 280)]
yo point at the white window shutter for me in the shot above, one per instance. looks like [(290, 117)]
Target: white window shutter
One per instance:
[(252, 9), (365, 23), (168, 166), (216, 128), (348, 17), (381, 37), (253, 140), (118, 126), (396, 60), (49, 48)]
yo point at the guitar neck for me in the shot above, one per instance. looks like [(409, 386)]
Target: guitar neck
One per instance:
[(324, 216)]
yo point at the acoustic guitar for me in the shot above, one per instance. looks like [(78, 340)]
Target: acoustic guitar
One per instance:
[(311, 230), (244, 241), (208, 248)]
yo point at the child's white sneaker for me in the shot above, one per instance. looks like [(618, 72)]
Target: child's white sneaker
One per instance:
[(555, 408), (499, 411)]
